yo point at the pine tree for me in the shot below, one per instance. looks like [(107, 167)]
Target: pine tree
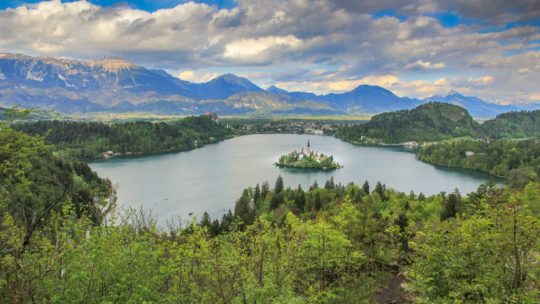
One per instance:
[(299, 199), (365, 187), (380, 190), (243, 210), (279, 185), (257, 195), (215, 228), (329, 184), (357, 197), (265, 189), (226, 221), (451, 205), (317, 201), (277, 200), (206, 221)]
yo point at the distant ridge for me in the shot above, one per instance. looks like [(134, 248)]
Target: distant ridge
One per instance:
[(116, 85), (432, 121), (475, 105), (225, 86)]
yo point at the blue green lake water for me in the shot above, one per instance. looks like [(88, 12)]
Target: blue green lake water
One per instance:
[(211, 178)]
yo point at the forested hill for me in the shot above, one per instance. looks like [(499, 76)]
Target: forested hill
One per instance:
[(35, 183), (428, 122), (516, 160), (88, 140), (514, 125)]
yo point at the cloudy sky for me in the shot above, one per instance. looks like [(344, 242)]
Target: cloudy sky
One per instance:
[(486, 48)]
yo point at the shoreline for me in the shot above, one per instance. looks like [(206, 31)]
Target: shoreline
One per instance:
[(141, 155), (381, 145)]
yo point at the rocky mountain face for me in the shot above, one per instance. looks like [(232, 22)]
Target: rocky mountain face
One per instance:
[(116, 85)]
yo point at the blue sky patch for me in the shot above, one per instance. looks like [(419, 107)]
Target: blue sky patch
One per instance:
[(147, 5)]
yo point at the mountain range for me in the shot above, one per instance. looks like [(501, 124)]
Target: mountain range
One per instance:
[(116, 85)]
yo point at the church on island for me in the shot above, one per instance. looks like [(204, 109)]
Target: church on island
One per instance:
[(307, 159), (308, 150)]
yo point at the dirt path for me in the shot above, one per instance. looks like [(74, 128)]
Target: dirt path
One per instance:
[(393, 293)]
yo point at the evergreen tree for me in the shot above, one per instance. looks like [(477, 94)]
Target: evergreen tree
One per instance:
[(365, 187), (257, 195), (215, 228), (265, 189), (317, 202), (279, 185), (451, 205), (403, 223), (299, 199), (329, 184), (277, 200), (226, 221), (243, 209), (357, 197), (380, 190), (206, 221)]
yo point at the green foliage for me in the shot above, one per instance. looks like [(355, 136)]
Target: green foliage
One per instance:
[(244, 208), (279, 185), (437, 122), (517, 160), (428, 122), (514, 125), (487, 255), (88, 140), (451, 205), (34, 182)]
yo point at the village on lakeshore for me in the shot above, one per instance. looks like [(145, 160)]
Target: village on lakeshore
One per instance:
[(308, 159)]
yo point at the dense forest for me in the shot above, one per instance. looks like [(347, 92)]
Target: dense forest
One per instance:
[(514, 125), (517, 160), (62, 241), (428, 122), (88, 140), (439, 121)]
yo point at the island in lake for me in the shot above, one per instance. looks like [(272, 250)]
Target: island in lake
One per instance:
[(308, 159)]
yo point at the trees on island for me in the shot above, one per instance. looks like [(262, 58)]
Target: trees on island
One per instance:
[(307, 161)]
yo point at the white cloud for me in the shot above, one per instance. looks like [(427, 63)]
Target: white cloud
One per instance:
[(341, 37), (240, 49), (424, 65), (484, 80), (197, 76)]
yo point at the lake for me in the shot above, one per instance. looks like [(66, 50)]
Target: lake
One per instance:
[(211, 178)]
